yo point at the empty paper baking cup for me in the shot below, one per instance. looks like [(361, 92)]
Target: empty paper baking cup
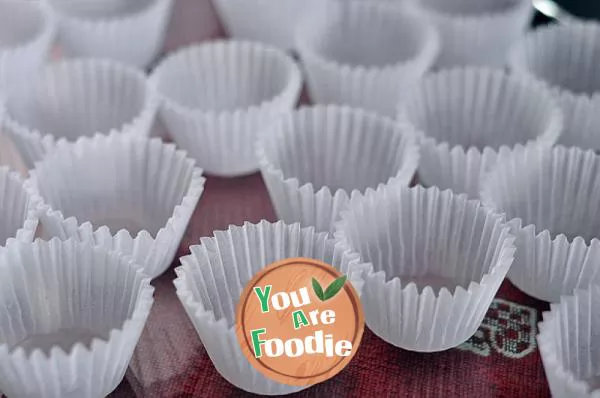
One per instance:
[(569, 344), (131, 31), (125, 193), (551, 198), (466, 115), (210, 281), (566, 56), (18, 218), (76, 98), (316, 159), (438, 261), (475, 32), (27, 31), (360, 54), (70, 318), (267, 21), (218, 96)]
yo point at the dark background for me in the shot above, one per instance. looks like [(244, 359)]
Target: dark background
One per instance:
[(581, 8), (589, 9)]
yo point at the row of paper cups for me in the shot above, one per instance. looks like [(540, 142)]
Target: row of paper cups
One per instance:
[(472, 32), (216, 97), (133, 31)]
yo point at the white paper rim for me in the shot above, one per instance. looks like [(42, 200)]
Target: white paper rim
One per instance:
[(292, 85)]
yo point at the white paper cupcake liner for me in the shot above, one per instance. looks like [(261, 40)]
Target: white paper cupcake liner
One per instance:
[(210, 282), (581, 121), (565, 56), (438, 261), (568, 342), (475, 32), (356, 53), (316, 159), (27, 31), (218, 96), (551, 197), (18, 218), (461, 138), (124, 193), (267, 21), (70, 317), (76, 98), (131, 31)]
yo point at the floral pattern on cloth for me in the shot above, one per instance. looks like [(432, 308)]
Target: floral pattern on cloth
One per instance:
[(508, 329)]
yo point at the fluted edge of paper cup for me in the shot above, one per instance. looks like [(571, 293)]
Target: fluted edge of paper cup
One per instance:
[(296, 200), (215, 331), (575, 35), (135, 38), (292, 88), (459, 167), (12, 182), (424, 313), (34, 144), (548, 264), (376, 88), (208, 134), (34, 51), (113, 354), (154, 253), (563, 381)]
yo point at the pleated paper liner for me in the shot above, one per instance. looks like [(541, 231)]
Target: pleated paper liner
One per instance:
[(131, 31), (360, 54), (218, 96), (75, 98), (317, 158), (266, 21), (565, 56), (438, 260), (212, 265), (27, 31), (70, 317), (18, 218), (475, 32), (568, 342), (551, 197), (581, 121), (461, 138), (121, 192)]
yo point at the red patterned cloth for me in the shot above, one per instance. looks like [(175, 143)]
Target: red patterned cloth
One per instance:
[(501, 360)]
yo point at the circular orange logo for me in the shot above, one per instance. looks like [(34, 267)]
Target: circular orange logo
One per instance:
[(299, 321)]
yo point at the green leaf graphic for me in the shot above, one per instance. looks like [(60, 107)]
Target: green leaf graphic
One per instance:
[(318, 289), (334, 288)]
